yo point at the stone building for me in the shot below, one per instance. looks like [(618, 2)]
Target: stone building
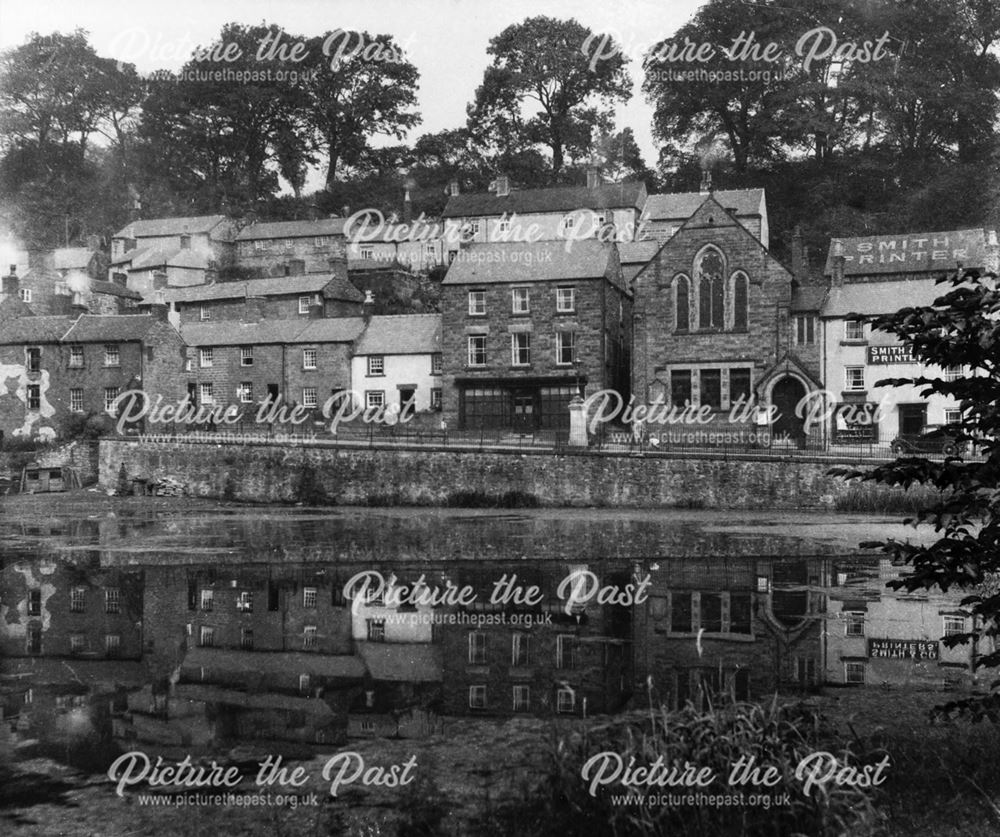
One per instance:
[(526, 327), (712, 326), (56, 367), (302, 362), (663, 215), (509, 214), (740, 627), (73, 613), (508, 659), (187, 249), (268, 248), (298, 297)]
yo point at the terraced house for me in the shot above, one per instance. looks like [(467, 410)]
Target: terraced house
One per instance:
[(302, 362), (55, 367), (278, 247), (526, 327), (310, 295)]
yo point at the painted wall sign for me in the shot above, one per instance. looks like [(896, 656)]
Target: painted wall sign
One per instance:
[(903, 649), (910, 253), (882, 355)]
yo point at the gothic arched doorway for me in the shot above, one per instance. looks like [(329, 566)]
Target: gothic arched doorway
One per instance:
[(786, 397)]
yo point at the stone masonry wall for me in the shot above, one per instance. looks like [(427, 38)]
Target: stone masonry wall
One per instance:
[(346, 476)]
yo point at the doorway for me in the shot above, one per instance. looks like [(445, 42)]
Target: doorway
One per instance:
[(786, 396), (912, 419), (523, 412)]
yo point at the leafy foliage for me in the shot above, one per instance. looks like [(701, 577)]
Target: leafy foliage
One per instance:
[(542, 61)]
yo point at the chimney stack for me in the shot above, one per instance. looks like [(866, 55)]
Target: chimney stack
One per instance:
[(838, 263), (407, 208), (593, 177), (11, 283), (453, 187), (706, 182), (798, 255), (368, 307), (77, 308), (503, 185), (159, 307)]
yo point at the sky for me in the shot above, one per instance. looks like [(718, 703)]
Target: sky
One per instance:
[(445, 39)]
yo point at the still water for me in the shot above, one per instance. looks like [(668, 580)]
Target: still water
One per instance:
[(200, 628)]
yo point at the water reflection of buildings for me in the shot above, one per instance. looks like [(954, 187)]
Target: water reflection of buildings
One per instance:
[(187, 656)]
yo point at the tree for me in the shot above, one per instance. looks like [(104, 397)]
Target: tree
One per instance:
[(544, 61), (619, 158), (221, 143), (361, 86), (745, 113), (961, 329)]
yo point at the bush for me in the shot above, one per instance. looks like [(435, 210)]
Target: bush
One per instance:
[(778, 736)]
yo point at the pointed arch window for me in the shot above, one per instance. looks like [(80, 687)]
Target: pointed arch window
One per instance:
[(709, 271), (741, 290), (682, 303)]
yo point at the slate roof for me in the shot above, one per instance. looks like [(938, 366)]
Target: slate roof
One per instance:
[(334, 287), (543, 261), (681, 205), (874, 298), (331, 330), (934, 252), (557, 199), (144, 258), (34, 329), (637, 252), (72, 258), (99, 286), (153, 227), (401, 334), (398, 233), (292, 229), (235, 333), (406, 662), (109, 328)]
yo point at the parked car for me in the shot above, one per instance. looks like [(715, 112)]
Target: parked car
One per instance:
[(934, 438)]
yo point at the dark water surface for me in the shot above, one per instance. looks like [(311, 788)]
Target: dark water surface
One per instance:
[(205, 629)]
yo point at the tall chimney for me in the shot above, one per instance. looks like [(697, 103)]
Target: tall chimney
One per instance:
[(797, 254), (368, 307), (593, 177), (706, 182), (838, 263), (503, 185), (407, 208), (453, 187)]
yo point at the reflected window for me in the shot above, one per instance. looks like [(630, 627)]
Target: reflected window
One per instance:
[(680, 612), (854, 623), (477, 648)]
